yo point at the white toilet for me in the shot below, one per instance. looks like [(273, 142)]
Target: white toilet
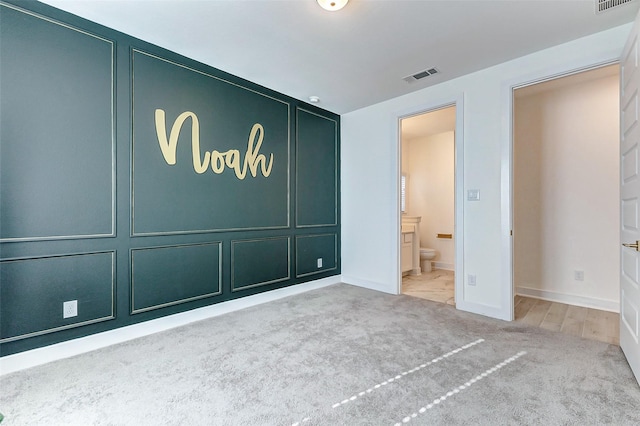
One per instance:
[(426, 255)]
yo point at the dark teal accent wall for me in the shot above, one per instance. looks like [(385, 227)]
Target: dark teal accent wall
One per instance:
[(142, 183), (316, 170)]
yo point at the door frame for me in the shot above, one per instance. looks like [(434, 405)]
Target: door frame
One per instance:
[(458, 231), (506, 180)]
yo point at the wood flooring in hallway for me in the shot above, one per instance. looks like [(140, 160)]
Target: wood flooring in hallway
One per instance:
[(588, 323), (593, 324)]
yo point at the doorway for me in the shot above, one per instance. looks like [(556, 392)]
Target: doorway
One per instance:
[(427, 206), (565, 204)]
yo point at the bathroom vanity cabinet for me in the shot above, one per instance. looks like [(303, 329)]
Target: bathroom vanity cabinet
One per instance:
[(406, 251), (410, 245)]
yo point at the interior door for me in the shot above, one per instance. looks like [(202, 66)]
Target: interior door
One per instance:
[(630, 202)]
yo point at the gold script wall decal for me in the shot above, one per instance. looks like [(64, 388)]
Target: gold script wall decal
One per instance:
[(217, 160)]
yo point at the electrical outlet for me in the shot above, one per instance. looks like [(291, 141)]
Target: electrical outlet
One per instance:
[(319, 262), (471, 280), (473, 195), (578, 275), (70, 309)]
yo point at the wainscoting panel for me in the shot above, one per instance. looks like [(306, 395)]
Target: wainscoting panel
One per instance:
[(227, 169), (164, 276), (316, 254), (57, 169), (316, 170), (33, 292), (629, 315), (259, 262)]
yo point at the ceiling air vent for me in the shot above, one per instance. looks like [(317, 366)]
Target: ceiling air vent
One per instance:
[(420, 75), (604, 5)]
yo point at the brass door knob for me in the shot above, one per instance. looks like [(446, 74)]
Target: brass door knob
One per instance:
[(635, 246)]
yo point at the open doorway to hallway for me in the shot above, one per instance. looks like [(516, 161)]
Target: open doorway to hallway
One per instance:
[(428, 205), (565, 204)]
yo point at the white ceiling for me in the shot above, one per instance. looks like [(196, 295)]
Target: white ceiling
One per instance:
[(355, 57), (429, 123), (569, 80)]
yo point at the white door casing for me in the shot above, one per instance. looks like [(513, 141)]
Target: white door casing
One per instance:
[(630, 201)]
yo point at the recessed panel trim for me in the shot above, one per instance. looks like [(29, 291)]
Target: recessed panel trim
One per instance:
[(630, 265), (630, 214), (159, 250), (111, 259), (320, 270), (629, 316), (630, 164), (630, 113), (80, 235), (630, 64), (235, 244), (299, 222)]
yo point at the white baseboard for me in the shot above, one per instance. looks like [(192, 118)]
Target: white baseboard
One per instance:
[(34, 357), (371, 285), (445, 266), (570, 299), (481, 309)]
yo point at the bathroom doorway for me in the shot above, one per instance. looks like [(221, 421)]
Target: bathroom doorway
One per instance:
[(427, 246)]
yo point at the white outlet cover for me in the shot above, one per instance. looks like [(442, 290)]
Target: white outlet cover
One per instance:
[(319, 262), (70, 309), (473, 195)]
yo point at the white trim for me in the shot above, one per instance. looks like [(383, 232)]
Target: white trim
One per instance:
[(34, 357), (482, 309), (459, 207), (458, 267), (570, 299), (371, 285), (445, 266), (506, 203)]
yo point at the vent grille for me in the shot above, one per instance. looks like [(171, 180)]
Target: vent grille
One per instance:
[(604, 5), (420, 75)]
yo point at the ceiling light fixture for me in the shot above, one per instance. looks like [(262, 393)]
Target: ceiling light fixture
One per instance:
[(332, 5), (314, 99)]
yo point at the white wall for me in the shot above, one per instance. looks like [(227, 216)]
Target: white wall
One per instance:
[(431, 191), (566, 193), (370, 173)]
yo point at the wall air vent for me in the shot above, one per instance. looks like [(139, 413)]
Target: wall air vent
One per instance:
[(604, 5), (420, 75)]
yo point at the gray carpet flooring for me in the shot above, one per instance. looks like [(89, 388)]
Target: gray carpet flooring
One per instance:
[(340, 355)]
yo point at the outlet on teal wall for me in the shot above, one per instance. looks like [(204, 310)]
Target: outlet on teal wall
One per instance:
[(141, 183)]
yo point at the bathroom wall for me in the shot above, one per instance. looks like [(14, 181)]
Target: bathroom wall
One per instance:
[(430, 166), (566, 189)]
